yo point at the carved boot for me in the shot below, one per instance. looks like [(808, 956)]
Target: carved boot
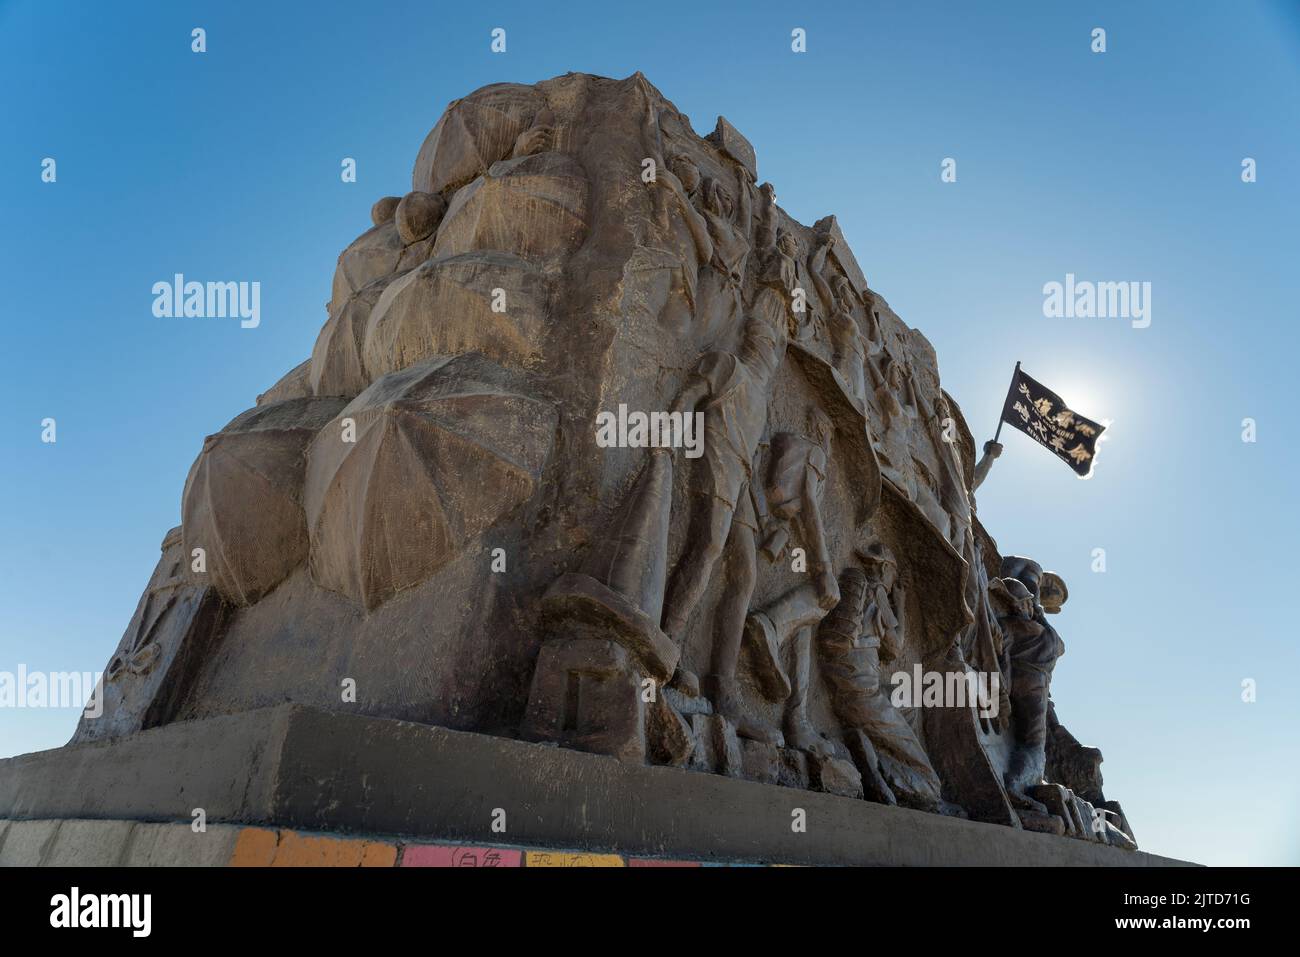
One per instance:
[(802, 736), (1023, 773), (760, 635), (724, 692), (685, 681)]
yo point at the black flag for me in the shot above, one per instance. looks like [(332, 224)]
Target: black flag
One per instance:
[(1043, 416)]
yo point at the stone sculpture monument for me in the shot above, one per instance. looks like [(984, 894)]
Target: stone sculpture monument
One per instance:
[(421, 511)]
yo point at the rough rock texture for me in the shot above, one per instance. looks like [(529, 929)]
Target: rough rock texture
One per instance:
[(462, 510)]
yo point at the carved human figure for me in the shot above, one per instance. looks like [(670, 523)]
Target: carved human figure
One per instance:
[(899, 429), (710, 229), (849, 347), (732, 389), (980, 644), (896, 405), (685, 229), (677, 197), (791, 496), (941, 428), (785, 623), (991, 452), (865, 630), (729, 219), (795, 480), (1030, 649), (782, 294)]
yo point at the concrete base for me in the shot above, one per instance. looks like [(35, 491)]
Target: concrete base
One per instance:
[(297, 767)]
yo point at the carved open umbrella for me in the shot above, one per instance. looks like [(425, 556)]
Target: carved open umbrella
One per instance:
[(444, 306), (337, 367), (474, 133), (415, 468), (532, 206), (242, 499)]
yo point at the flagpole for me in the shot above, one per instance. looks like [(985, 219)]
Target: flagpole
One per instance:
[(998, 432)]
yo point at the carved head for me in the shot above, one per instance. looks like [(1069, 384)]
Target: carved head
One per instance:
[(716, 198), (843, 290), (685, 170), (1010, 598), (893, 372), (1052, 593), (786, 242), (418, 215), (879, 564), (1024, 570)]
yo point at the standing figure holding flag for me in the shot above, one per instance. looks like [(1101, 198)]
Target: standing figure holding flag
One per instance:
[(1043, 416)]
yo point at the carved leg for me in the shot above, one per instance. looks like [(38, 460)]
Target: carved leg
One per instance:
[(799, 733), (760, 635), (710, 527), (904, 762), (793, 610), (724, 692), (814, 533), (729, 623), (729, 620), (1029, 722)]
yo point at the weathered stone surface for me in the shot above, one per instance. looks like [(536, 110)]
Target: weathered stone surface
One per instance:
[(377, 253), (717, 749), (586, 695), (489, 302), (474, 133), (179, 845), (874, 786), (308, 770), (761, 762), (294, 384), (1043, 823), (534, 207), (159, 652), (418, 215), (579, 598), (89, 844), (435, 454), (733, 144), (842, 254), (384, 209), (243, 498), (835, 776), (794, 769), (373, 255), (337, 364), (26, 843), (670, 739)]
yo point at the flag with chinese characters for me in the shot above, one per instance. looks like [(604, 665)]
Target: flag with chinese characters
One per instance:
[(1043, 416)]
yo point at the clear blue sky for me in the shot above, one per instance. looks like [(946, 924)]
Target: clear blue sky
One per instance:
[(1116, 166)]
